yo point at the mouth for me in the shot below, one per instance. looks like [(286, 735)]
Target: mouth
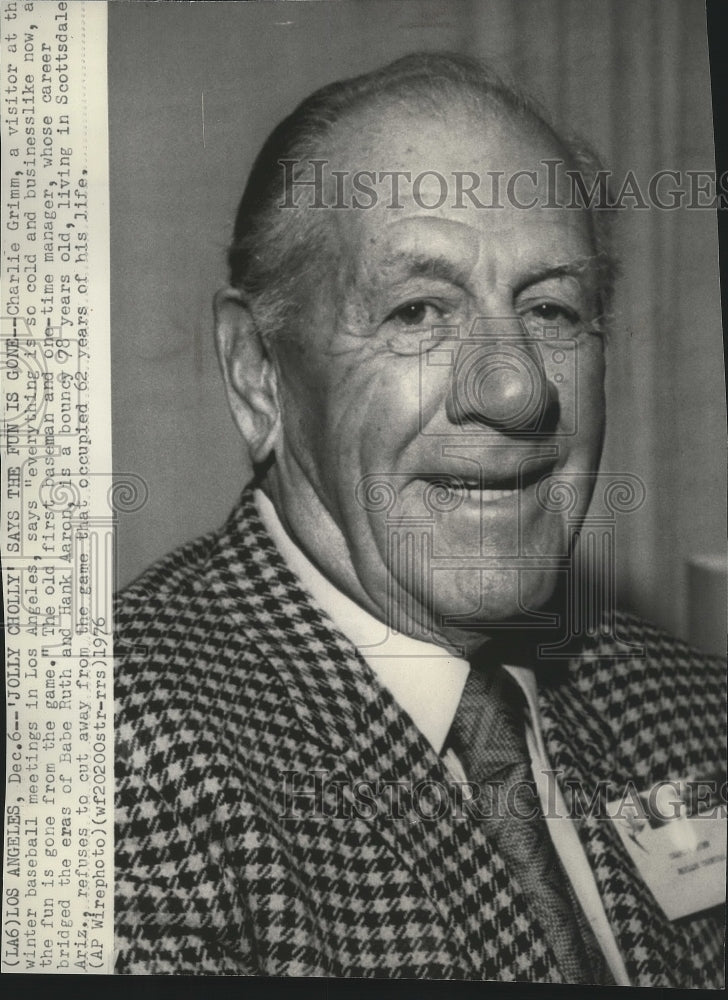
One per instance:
[(482, 495), (487, 489)]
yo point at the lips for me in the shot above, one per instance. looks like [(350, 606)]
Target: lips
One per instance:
[(496, 486)]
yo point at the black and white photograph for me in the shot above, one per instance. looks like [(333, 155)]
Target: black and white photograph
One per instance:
[(418, 416), (424, 276)]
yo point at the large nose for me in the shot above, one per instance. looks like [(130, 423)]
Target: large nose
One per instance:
[(499, 381)]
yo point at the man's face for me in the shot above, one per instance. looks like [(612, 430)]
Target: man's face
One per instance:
[(411, 455)]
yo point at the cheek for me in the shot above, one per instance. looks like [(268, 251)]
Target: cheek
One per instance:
[(304, 401), (303, 413), (589, 389), (378, 410)]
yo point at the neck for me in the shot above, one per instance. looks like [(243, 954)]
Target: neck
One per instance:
[(315, 532)]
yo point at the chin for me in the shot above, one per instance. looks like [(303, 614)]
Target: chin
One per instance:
[(467, 603)]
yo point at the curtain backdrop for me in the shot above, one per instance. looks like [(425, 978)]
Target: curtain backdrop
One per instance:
[(194, 90)]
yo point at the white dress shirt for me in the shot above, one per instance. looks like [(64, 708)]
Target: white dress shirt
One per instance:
[(427, 682)]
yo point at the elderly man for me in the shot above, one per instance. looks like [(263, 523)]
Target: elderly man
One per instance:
[(343, 746)]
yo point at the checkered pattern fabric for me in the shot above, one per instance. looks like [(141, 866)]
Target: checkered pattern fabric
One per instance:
[(237, 697)]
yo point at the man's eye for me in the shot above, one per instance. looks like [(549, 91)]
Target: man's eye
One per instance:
[(547, 315), (415, 313), (549, 312)]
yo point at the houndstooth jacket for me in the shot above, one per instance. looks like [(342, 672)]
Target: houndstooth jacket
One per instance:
[(231, 681)]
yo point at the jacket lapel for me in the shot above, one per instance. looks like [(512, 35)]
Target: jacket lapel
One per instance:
[(366, 737), (583, 751), (448, 853)]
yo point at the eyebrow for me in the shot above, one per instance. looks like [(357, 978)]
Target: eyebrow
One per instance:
[(574, 269), (410, 264)]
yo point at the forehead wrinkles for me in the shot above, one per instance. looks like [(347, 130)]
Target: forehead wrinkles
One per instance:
[(372, 248), (428, 244)]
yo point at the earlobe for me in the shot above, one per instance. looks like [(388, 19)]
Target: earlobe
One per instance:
[(248, 372)]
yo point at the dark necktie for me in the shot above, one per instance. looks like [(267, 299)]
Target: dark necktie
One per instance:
[(488, 737)]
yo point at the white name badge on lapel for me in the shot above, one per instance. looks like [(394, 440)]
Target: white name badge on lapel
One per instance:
[(675, 833)]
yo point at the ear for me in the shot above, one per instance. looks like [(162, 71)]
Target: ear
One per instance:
[(248, 371)]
